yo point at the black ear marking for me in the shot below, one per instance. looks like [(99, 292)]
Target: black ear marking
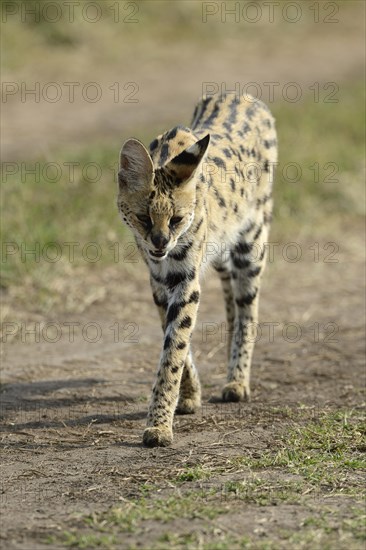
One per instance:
[(194, 153), (183, 166)]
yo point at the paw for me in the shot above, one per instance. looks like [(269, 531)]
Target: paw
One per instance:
[(157, 437), (234, 392), (188, 405)]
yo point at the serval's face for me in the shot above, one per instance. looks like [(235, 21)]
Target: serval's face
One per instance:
[(158, 205)]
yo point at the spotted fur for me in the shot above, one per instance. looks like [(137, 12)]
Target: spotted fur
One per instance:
[(201, 196)]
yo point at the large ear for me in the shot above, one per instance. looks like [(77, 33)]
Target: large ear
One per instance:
[(184, 165), (136, 167)]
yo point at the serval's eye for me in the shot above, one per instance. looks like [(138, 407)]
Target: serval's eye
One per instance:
[(144, 220), (175, 221)]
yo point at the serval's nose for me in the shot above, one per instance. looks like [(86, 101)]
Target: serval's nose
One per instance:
[(159, 240)]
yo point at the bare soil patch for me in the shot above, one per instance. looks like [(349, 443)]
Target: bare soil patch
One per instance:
[(73, 412)]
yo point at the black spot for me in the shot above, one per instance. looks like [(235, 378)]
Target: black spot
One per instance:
[(220, 198), (172, 133), (174, 370), (198, 225), (191, 275), (232, 184), (227, 153), (233, 110), (266, 166), (258, 232), (153, 145), (268, 143), (186, 322), (235, 208), (152, 194), (164, 153), (181, 254), (254, 272), (195, 112), (243, 248), (246, 300), (167, 341), (181, 345), (174, 279), (214, 114), (198, 117), (194, 297), (246, 128), (173, 311), (219, 162), (240, 262)]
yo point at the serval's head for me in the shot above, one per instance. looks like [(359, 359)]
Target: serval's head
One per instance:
[(157, 192)]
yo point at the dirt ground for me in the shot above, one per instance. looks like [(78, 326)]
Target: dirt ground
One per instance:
[(73, 412), (74, 393)]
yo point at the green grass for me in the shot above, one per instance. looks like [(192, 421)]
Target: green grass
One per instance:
[(193, 474), (325, 452), (318, 530), (263, 492), (68, 210), (324, 521), (316, 468), (131, 516), (192, 541), (193, 504), (78, 540), (326, 143)]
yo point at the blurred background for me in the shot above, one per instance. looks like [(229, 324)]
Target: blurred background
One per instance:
[(81, 77)]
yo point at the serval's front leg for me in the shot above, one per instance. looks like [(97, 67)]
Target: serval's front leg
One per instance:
[(190, 388), (183, 295)]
